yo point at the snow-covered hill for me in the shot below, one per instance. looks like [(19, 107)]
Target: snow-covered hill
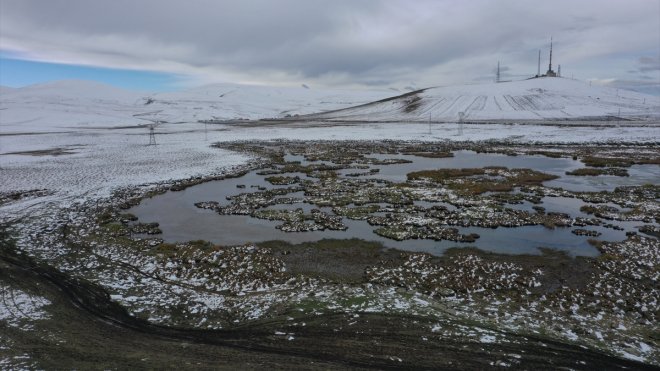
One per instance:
[(233, 101), (59, 105), (534, 99), (62, 105)]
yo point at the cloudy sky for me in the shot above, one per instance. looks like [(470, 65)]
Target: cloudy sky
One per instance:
[(160, 45)]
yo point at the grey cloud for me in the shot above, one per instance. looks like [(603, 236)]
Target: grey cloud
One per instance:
[(643, 86), (649, 64), (342, 41)]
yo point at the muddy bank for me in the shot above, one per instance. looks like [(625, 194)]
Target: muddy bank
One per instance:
[(90, 331)]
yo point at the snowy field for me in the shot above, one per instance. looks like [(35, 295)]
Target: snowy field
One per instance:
[(63, 105), (94, 162), (77, 148), (534, 99), (81, 140)]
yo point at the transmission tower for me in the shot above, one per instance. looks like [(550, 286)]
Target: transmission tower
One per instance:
[(152, 135), (460, 123), (538, 68), (429, 123), (497, 78)]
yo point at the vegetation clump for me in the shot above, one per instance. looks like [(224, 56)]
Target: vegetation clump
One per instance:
[(435, 154), (442, 174), (481, 180), (596, 161), (282, 180), (590, 171)]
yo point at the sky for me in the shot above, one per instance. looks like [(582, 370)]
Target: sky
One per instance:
[(167, 45)]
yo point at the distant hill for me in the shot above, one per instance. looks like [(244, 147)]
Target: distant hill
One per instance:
[(61, 105), (58, 105), (234, 101), (534, 99), (76, 90)]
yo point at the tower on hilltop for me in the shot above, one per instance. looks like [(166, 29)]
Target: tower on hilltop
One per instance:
[(550, 72)]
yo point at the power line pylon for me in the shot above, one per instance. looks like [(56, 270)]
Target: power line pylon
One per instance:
[(152, 135)]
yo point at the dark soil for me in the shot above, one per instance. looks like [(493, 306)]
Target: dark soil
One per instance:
[(337, 260), (88, 331)]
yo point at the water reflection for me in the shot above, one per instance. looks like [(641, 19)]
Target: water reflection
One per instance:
[(181, 221)]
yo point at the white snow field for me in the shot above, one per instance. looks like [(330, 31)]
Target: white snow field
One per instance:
[(80, 140), (233, 101), (94, 162), (62, 105), (533, 99), (77, 142)]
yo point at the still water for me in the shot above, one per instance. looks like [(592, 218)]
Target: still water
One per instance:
[(180, 220)]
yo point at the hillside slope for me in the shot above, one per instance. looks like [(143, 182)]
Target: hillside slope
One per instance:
[(61, 105), (234, 101), (535, 99), (58, 105)]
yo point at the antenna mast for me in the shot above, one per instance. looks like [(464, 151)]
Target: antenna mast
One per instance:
[(538, 69), (550, 64)]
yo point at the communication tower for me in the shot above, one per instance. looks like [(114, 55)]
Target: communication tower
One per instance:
[(550, 72)]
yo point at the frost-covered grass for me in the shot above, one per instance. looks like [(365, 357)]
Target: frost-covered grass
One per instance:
[(516, 133), (20, 309), (212, 288), (104, 161)]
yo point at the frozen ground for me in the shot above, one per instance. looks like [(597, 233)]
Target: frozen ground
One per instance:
[(80, 147), (62, 106), (88, 163), (98, 162), (534, 99), (231, 101), (65, 106), (81, 138)]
